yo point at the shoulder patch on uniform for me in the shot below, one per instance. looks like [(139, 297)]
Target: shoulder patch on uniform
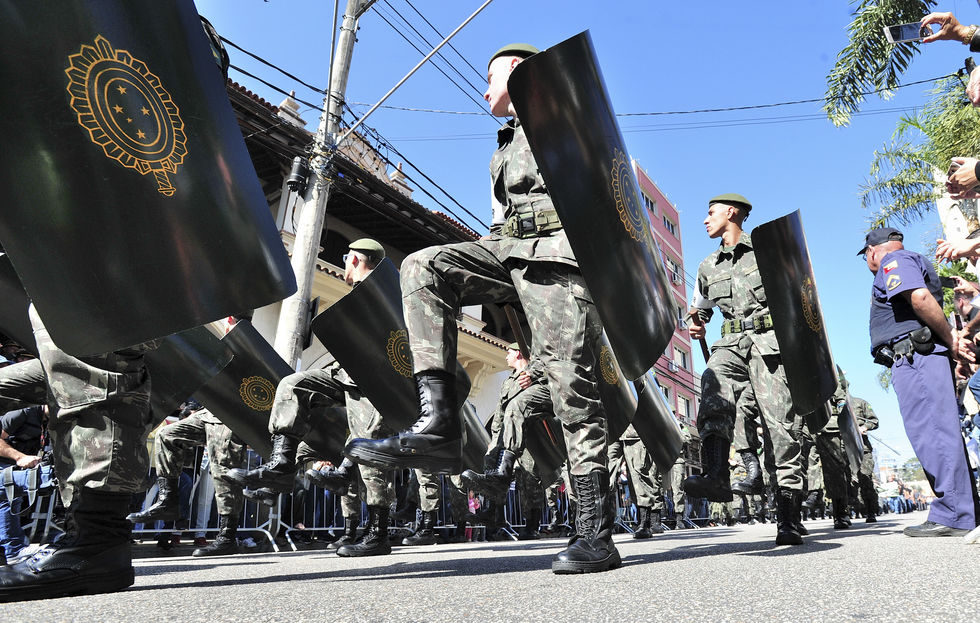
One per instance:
[(890, 266), (893, 282)]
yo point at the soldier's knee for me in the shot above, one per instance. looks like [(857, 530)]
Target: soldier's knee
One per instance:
[(418, 270)]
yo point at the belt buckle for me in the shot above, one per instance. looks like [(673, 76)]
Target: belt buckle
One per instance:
[(525, 225)]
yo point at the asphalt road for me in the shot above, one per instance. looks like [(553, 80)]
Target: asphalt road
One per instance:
[(868, 573)]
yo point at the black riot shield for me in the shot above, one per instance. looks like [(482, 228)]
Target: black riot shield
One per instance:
[(476, 438), (561, 100), (545, 441), (366, 332), (241, 396), (14, 321), (131, 210), (655, 423), (850, 433), (181, 365), (616, 393), (791, 291)]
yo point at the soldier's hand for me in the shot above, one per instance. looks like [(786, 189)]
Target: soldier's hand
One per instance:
[(697, 331), (28, 460), (524, 380)]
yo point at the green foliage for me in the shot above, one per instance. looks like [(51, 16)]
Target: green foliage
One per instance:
[(885, 378), (907, 174), (911, 470), (869, 63)]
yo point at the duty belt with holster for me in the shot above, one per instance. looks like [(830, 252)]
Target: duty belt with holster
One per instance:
[(918, 341), (758, 324), (531, 224)]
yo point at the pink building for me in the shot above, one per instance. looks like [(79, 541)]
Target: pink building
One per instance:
[(675, 368)]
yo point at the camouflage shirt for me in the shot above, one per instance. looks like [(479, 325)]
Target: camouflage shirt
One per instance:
[(730, 279), (519, 188)]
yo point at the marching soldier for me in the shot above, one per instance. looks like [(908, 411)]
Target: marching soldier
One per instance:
[(746, 355), (296, 397), (99, 420), (526, 258), (172, 449), (645, 479), (867, 421)]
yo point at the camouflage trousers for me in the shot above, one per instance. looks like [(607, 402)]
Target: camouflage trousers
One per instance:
[(509, 426), (833, 461), (730, 373), (99, 413), (430, 492), (174, 448), (377, 486), (866, 483), (438, 281), (676, 478), (645, 480), (811, 459)]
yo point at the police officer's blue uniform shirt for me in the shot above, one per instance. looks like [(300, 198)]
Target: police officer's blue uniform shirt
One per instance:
[(892, 315)]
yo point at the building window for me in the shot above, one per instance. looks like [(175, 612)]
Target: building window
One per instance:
[(681, 358), (673, 271), (684, 409), (670, 226), (651, 204), (666, 390)]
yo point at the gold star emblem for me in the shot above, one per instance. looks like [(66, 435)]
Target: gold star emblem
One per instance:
[(144, 110), (118, 109), (139, 134), (121, 89), (129, 119)]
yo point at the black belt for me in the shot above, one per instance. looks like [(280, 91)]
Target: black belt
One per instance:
[(918, 341)]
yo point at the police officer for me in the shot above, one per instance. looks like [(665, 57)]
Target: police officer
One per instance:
[(525, 258), (910, 334), (746, 356), (173, 448), (302, 392)]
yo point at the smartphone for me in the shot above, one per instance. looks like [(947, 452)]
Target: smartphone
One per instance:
[(913, 31), (947, 282)]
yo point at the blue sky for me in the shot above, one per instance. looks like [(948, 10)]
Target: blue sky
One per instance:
[(655, 57)]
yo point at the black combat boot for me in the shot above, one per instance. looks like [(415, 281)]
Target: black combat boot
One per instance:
[(643, 523), (714, 483), (497, 524), (425, 535), (262, 496), (459, 533), (374, 542), (93, 556), (788, 517), (495, 482), (798, 513), (226, 542), (752, 484), (811, 503), (277, 473), (591, 549), (871, 509), (842, 515), (532, 525), (434, 443), (654, 524), (336, 479), (349, 537), (167, 506)]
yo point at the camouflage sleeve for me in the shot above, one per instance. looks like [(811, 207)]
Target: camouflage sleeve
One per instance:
[(700, 300), (865, 414)]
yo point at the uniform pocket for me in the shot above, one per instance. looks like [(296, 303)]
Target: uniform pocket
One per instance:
[(719, 288)]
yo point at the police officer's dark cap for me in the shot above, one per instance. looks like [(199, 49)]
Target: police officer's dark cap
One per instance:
[(732, 199), (522, 50), (369, 247), (880, 236)]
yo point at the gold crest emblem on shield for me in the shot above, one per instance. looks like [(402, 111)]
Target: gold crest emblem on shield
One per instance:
[(257, 392), (399, 354), (126, 111), (607, 366), (627, 203)]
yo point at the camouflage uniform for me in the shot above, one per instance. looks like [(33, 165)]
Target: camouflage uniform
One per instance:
[(644, 478), (430, 490), (175, 443), (677, 475), (99, 412), (540, 272), (730, 278), (866, 417), (300, 393), (515, 407)]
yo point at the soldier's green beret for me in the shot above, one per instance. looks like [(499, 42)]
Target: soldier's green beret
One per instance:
[(513, 346), (369, 247), (514, 49), (732, 198)]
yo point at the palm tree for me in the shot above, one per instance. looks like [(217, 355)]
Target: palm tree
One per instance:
[(869, 64)]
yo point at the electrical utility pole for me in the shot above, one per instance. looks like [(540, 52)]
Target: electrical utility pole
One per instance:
[(294, 314)]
